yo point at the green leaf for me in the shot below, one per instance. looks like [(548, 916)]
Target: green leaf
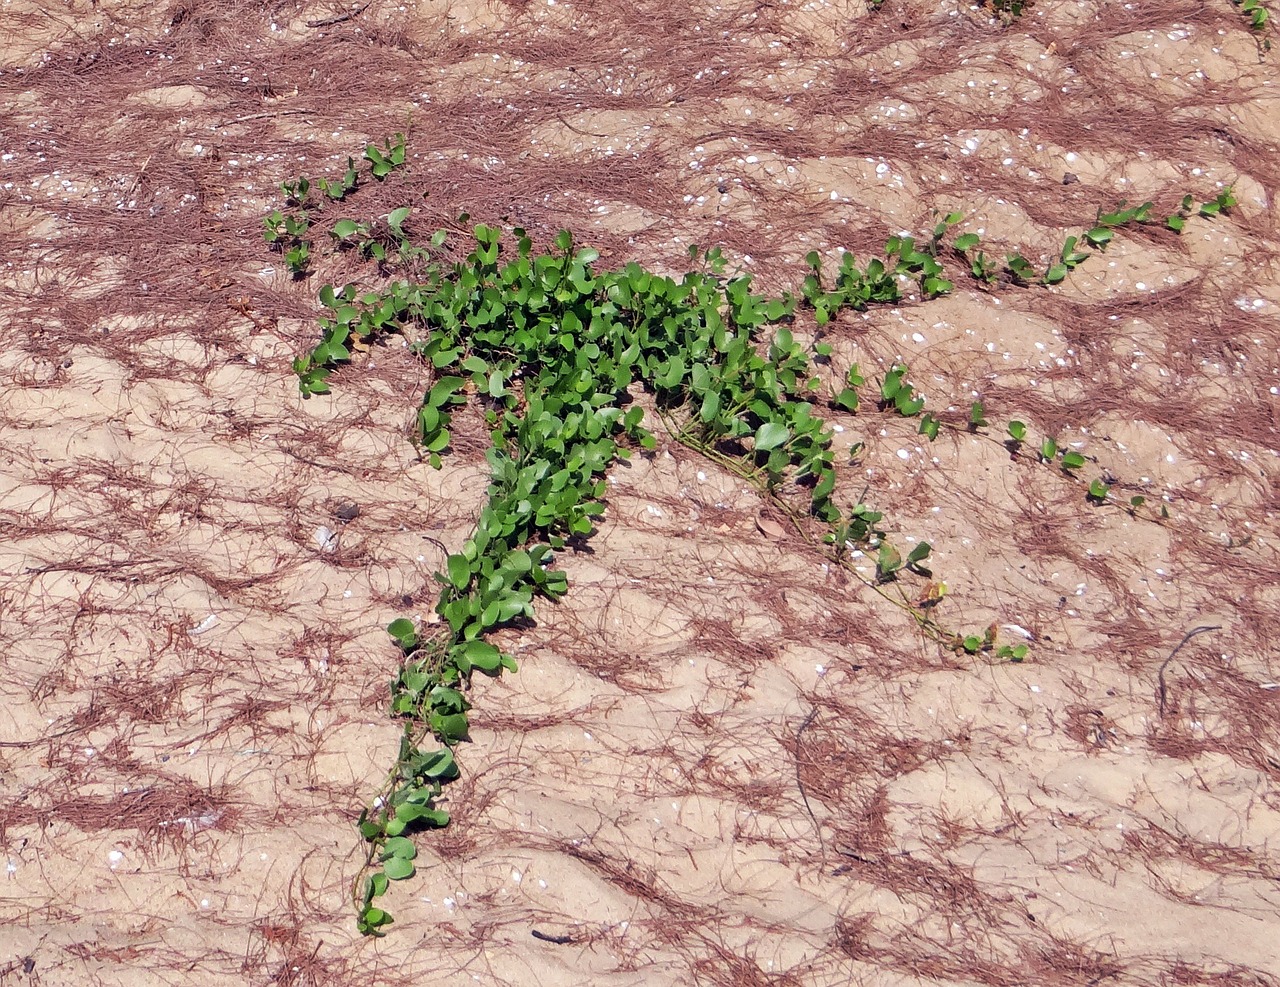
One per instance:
[(710, 407), (443, 390), (1098, 490), (368, 829), (399, 846), (770, 435), (404, 632), (934, 286), (397, 217), (459, 571), (674, 373), (966, 242), (1017, 430), (398, 868), (518, 562), (825, 486), (908, 406), (371, 920), (1072, 460), (439, 441), (411, 812), (343, 228), (450, 727), (375, 886), (1014, 654), (1099, 237), (438, 766), (483, 655), (919, 553), (892, 383), (888, 561), (1019, 267)]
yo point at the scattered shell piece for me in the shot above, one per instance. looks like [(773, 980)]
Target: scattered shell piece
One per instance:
[(768, 526), (205, 625)]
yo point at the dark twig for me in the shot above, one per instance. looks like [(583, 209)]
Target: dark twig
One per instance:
[(804, 796), (259, 116), (1162, 691), (340, 17), (25, 744)]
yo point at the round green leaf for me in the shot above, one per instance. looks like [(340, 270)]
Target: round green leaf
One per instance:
[(770, 435), (398, 868), (459, 571), (403, 631), (399, 846)]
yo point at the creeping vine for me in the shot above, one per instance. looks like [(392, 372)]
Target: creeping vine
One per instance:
[(563, 358)]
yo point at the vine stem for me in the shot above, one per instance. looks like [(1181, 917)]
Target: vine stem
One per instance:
[(753, 475)]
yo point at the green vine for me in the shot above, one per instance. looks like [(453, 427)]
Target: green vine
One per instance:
[(556, 353)]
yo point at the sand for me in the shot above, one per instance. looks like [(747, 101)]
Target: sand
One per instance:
[(723, 760)]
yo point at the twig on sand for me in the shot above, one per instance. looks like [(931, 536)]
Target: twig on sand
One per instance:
[(138, 177), (804, 796), (339, 18), (1162, 692), (258, 116)]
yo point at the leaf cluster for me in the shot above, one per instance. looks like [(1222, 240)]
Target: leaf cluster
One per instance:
[(286, 231), (551, 348)]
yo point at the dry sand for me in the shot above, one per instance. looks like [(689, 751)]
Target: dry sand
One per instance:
[(722, 761)]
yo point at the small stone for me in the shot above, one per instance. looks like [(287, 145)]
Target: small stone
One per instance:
[(1069, 179), (347, 512)]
